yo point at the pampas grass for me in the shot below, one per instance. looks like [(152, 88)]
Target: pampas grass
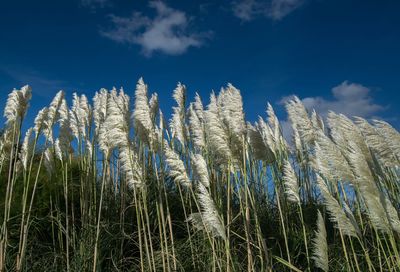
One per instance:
[(113, 187), (290, 181), (177, 123), (177, 167), (320, 251), (142, 114), (218, 137), (17, 104), (336, 212)]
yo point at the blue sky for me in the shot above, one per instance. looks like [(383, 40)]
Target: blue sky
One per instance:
[(334, 54)]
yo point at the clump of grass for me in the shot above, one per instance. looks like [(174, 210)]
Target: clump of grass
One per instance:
[(112, 187)]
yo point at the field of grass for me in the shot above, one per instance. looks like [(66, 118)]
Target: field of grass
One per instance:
[(110, 185)]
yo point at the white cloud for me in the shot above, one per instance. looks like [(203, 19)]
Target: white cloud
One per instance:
[(166, 32), (247, 10)]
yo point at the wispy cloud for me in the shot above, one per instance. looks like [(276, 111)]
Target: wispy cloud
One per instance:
[(167, 32), (41, 85), (95, 4), (247, 10)]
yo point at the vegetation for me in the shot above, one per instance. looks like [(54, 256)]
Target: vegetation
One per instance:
[(96, 188)]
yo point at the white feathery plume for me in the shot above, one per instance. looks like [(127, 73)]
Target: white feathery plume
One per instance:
[(320, 245), (154, 111), (159, 129), (63, 113), (336, 131), (82, 111), (124, 103), (323, 166), (343, 131), (368, 188), (104, 144), (225, 125), (198, 107), (208, 217), (53, 112), (335, 211), (376, 212), (392, 214), (65, 135), (217, 135), (48, 160), (39, 120), (100, 105), (299, 118), (57, 149), (256, 142), (177, 122), (268, 136), (200, 169), (89, 149), (85, 114), (298, 143), (130, 166), (291, 183), (377, 142), (4, 144), (114, 133), (197, 220), (25, 149), (275, 126), (196, 128), (331, 163), (351, 217), (154, 106), (52, 116), (142, 114), (179, 95), (18, 167), (17, 104), (261, 140), (74, 116), (232, 114), (12, 106), (391, 135), (317, 121), (161, 122), (100, 108), (129, 161), (116, 122), (272, 119), (79, 115), (177, 167)]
